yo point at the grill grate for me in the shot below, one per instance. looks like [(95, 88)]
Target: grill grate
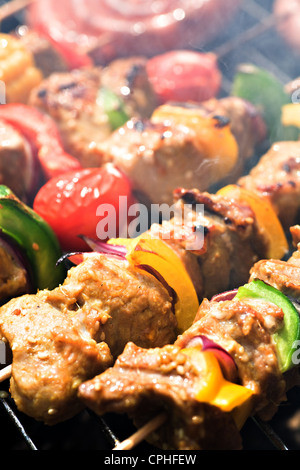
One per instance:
[(250, 38)]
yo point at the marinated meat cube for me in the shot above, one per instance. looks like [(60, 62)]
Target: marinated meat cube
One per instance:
[(14, 279), (117, 302), (244, 329), (15, 154), (144, 383), (62, 337), (276, 177), (72, 99), (51, 357), (127, 77), (46, 57), (231, 240)]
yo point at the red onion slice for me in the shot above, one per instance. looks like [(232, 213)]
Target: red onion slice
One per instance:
[(227, 295), (227, 364)]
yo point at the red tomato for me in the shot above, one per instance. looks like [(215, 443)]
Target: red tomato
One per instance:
[(184, 76), (85, 202)]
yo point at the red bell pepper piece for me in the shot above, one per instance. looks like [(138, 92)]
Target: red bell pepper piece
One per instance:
[(41, 131)]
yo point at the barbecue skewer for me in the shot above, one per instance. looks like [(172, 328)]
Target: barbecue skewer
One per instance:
[(142, 433), (101, 399), (5, 373)]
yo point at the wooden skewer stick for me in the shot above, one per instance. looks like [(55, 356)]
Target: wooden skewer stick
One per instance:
[(13, 7), (142, 433), (5, 373)]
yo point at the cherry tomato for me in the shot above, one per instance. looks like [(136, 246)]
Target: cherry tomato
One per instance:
[(184, 76), (91, 202)]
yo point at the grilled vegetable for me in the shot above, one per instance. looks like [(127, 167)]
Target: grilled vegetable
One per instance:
[(213, 137), (113, 106), (17, 69), (286, 337), (155, 255), (264, 90), (42, 132), (265, 215), (85, 202), (183, 76), (34, 238)]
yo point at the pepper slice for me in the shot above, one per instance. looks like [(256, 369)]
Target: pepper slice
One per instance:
[(216, 390), (290, 332), (264, 90), (213, 135), (35, 239), (43, 133), (113, 106), (265, 215), (146, 251)]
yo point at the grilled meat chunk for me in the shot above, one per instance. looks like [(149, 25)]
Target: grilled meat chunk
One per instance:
[(159, 157), (172, 154), (230, 240), (117, 302), (51, 357), (46, 57), (276, 177), (62, 337), (144, 383), (72, 99), (244, 329), (246, 123), (15, 153), (14, 279)]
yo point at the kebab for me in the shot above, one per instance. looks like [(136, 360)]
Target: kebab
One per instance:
[(173, 270), (237, 359)]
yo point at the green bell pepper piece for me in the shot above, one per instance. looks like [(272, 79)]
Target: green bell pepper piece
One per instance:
[(284, 338), (266, 92), (113, 106), (34, 237)]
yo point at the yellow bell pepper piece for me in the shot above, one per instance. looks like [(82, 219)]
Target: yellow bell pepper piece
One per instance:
[(265, 215), (290, 114), (216, 142), (154, 252), (214, 389)]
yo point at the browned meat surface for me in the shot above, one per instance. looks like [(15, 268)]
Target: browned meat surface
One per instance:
[(232, 241), (276, 177), (117, 303), (173, 155), (283, 276), (127, 77), (51, 357), (14, 154), (244, 328), (144, 383), (46, 57), (62, 337), (159, 157), (246, 124), (72, 99), (13, 275)]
